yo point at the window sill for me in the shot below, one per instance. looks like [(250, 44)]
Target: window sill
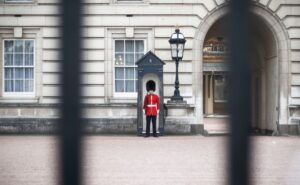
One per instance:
[(125, 95), (142, 2), (19, 100), (20, 3), (122, 100)]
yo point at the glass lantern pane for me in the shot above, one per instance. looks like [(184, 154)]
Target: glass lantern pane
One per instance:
[(174, 36), (180, 36), (180, 50), (119, 47), (174, 50)]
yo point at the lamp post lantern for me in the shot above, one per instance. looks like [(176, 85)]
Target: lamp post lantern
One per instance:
[(177, 42)]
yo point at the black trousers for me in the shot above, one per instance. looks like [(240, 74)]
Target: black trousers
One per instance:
[(148, 120)]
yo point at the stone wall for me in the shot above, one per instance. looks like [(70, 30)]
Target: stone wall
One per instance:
[(97, 119), (151, 20)]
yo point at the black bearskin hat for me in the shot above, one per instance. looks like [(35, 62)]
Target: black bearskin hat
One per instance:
[(150, 85)]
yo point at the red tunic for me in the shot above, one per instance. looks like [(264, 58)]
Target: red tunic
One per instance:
[(152, 105)]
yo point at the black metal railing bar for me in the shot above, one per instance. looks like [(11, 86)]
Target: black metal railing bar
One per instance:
[(239, 104), (70, 124)]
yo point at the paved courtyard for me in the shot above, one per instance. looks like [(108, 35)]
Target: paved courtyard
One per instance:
[(174, 160)]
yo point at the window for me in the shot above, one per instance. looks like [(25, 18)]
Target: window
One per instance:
[(18, 67), (220, 88), (127, 52)]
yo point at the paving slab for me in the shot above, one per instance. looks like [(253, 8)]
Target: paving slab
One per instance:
[(174, 160)]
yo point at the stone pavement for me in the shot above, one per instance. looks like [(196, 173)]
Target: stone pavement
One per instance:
[(216, 125), (174, 160)]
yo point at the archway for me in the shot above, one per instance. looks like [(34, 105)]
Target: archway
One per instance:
[(269, 77), (264, 79), (215, 77)]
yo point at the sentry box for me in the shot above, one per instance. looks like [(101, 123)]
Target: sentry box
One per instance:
[(150, 69)]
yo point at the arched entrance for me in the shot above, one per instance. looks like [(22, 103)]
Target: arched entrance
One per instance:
[(265, 77), (269, 86), (215, 77)]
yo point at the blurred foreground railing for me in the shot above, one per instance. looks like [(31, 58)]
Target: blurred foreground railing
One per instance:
[(239, 104), (239, 98), (70, 124)]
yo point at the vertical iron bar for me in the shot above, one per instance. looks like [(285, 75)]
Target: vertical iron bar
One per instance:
[(239, 107), (70, 123)]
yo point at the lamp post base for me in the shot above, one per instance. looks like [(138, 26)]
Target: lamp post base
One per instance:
[(177, 100)]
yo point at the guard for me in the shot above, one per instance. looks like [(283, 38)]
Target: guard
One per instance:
[(151, 108)]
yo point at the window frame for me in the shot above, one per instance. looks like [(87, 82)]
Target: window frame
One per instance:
[(18, 94), (124, 94)]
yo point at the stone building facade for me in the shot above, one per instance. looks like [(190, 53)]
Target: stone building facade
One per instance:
[(118, 32)]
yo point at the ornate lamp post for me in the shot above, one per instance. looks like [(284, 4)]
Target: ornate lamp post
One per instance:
[(177, 42)]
